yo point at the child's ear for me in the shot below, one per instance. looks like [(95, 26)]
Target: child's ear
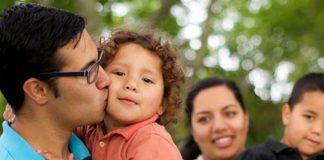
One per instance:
[(285, 114), (160, 110), (36, 90)]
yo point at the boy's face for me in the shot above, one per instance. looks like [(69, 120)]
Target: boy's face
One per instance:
[(304, 125), (136, 91)]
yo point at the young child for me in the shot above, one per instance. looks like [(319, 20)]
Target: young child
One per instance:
[(303, 119), (143, 98)]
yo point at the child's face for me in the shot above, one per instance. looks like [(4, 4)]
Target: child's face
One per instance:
[(136, 91), (304, 125)]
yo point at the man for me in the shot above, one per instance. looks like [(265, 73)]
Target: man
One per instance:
[(51, 76)]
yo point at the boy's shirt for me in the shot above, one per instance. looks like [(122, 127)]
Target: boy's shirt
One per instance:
[(145, 140), (15, 147), (274, 150)]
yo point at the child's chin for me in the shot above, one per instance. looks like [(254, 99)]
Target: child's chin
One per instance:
[(308, 151)]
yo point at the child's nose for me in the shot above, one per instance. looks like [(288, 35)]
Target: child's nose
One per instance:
[(318, 127), (131, 85)]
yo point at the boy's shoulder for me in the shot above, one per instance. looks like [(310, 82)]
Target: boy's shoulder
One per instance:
[(274, 150), (271, 150), (153, 128), (257, 152), (153, 132)]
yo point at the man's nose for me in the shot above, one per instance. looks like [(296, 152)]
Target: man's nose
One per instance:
[(103, 80)]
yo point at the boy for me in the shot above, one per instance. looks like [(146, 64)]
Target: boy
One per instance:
[(303, 119), (143, 98)]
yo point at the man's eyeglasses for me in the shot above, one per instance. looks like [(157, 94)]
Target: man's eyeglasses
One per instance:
[(91, 72)]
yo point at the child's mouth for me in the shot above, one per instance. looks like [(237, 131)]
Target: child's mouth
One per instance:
[(313, 142), (127, 101)]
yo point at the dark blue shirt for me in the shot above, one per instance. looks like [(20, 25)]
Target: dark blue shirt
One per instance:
[(274, 150)]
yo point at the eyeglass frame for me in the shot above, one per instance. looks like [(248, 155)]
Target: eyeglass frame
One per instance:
[(84, 73)]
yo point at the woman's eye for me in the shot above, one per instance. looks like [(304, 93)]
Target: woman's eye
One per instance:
[(203, 120), (146, 80), (230, 114)]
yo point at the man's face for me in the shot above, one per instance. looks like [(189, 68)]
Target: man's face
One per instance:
[(304, 124), (80, 103)]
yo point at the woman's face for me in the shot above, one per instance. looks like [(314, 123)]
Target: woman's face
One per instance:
[(219, 125)]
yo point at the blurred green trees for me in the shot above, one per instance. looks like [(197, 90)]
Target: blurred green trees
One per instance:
[(263, 45)]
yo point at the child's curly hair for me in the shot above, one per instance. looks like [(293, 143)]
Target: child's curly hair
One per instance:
[(172, 71)]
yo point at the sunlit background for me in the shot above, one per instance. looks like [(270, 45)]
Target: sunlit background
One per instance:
[(263, 45)]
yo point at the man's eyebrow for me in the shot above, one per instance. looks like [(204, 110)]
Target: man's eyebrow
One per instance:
[(90, 63), (86, 66)]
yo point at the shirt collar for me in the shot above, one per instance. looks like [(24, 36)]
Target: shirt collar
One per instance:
[(79, 150), (13, 142), (128, 131), (276, 146)]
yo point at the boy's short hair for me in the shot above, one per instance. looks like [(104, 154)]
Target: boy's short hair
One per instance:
[(307, 83), (173, 74), (30, 35)]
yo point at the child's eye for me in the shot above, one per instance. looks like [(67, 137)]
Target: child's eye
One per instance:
[(308, 117), (119, 73), (146, 80)]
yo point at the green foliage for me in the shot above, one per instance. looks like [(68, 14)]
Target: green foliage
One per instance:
[(2, 106), (4, 4)]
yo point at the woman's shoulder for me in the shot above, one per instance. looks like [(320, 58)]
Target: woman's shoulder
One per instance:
[(200, 157)]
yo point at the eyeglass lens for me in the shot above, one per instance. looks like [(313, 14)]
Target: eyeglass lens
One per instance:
[(94, 70)]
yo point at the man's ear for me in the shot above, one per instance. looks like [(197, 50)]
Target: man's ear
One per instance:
[(285, 114), (36, 90)]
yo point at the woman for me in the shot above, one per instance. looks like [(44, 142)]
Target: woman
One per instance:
[(218, 121)]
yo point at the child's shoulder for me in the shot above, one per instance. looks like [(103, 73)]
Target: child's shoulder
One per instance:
[(256, 153), (153, 132), (266, 151), (273, 150), (155, 138), (153, 128)]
